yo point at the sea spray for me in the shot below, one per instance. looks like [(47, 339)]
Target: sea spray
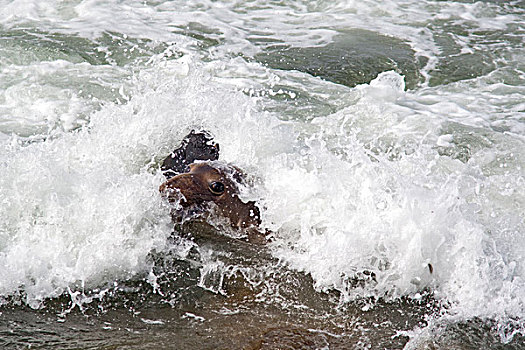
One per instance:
[(396, 187)]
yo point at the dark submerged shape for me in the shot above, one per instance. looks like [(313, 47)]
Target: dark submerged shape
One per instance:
[(195, 146), (209, 186)]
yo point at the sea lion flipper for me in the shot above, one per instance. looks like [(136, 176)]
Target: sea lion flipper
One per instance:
[(197, 145)]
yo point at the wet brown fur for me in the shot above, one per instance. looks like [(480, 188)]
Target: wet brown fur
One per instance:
[(195, 189)]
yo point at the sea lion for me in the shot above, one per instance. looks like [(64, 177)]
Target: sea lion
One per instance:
[(209, 186)]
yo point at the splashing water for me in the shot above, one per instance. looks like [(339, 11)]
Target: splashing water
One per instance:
[(409, 191)]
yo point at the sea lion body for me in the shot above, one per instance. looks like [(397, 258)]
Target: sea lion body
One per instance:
[(202, 185)]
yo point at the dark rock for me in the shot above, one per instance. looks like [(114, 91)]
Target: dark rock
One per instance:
[(195, 146), (291, 338)]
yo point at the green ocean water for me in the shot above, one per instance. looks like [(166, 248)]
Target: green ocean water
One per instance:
[(381, 137)]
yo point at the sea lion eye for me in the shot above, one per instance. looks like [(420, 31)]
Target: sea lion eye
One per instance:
[(217, 188)]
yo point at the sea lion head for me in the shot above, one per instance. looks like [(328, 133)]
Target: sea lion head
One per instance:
[(211, 183)]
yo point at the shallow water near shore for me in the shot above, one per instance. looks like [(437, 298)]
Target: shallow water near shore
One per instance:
[(384, 143)]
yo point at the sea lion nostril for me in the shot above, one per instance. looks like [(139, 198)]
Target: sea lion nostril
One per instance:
[(217, 188)]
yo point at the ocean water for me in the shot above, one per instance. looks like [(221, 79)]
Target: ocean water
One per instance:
[(385, 141)]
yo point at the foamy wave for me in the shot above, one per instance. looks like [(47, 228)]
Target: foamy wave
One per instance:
[(371, 191), (364, 188)]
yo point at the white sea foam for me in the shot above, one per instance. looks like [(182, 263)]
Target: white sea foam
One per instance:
[(82, 209), (52, 96), (382, 180), (244, 27)]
